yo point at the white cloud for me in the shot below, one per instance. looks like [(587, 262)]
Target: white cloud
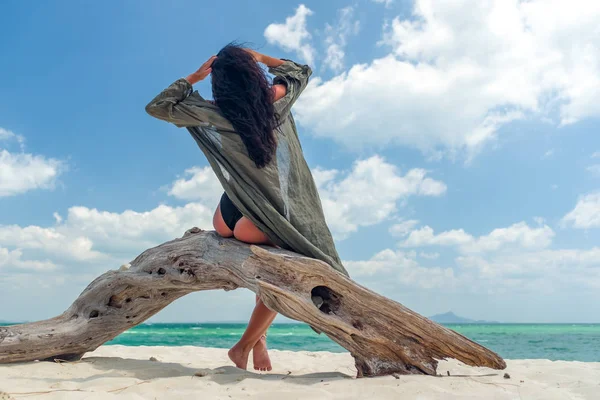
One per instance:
[(596, 155), (57, 217), (293, 35), (548, 154), (49, 241), (12, 260), (403, 228), (429, 256), (337, 37), (334, 58), (368, 194), (586, 213), (518, 235), (553, 267), (594, 169), (404, 268), (513, 260), (92, 237), (198, 184), (453, 79), (539, 220), (89, 237), (5, 134), (24, 281), (387, 3), (426, 237), (21, 172), (131, 232)]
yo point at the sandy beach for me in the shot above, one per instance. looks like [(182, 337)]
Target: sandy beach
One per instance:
[(194, 372)]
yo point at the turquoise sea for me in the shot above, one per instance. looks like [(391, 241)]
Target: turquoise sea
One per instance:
[(572, 342)]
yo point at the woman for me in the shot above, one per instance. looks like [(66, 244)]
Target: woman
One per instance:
[(249, 137)]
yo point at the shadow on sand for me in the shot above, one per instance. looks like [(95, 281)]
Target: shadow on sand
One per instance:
[(149, 370)]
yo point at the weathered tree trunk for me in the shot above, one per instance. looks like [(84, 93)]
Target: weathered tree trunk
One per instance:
[(383, 336)]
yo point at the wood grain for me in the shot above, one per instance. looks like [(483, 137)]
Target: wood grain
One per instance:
[(383, 336)]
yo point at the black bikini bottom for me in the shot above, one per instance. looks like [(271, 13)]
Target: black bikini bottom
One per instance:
[(231, 215)]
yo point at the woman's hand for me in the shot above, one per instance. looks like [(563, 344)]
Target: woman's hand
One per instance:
[(202, 72)]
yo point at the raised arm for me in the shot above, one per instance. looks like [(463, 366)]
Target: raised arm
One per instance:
[(202, 72), (290, 80), (267, 60), (180, 105)]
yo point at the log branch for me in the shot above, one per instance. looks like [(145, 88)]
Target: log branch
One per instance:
[(383, 336)]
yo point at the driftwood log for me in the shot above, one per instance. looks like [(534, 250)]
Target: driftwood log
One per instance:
[(383, 336)]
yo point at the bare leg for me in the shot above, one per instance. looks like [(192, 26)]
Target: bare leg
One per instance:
[(254, 338), (261, 319), (260, 355)]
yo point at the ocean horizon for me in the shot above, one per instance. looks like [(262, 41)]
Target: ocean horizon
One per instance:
[(566, 341), (556, 341)]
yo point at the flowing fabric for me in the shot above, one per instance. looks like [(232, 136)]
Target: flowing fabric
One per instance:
[(281, 199)]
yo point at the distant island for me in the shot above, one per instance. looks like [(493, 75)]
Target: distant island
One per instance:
[(451, 318)]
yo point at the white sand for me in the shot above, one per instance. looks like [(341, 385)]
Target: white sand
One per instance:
[(127, 373)]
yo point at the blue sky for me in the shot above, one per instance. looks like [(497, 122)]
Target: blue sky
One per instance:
[(456, 152)]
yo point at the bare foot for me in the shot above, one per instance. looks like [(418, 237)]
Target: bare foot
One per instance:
[(260, 355), (239, 356)]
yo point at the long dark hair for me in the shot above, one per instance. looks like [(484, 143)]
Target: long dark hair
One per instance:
[(243, 93)]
